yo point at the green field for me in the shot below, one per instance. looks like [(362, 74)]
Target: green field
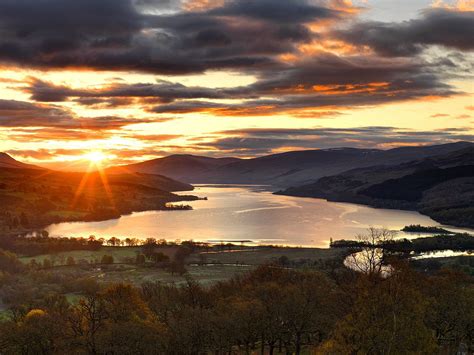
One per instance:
[(204, 267), (120, 254), (244, 255), (262, 255), (138, 275)]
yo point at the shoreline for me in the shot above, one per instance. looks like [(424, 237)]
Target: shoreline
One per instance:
[(203, 238), (42, 227), (376, 205)]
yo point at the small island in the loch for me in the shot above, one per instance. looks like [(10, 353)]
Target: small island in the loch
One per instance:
[(175, 207)]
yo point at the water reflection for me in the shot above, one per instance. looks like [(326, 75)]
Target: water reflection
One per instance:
[(442, 254), (368, 261), (250, 213), (371, 261)]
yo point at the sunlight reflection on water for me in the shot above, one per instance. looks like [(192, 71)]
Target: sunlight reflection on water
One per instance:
[(236, 212)]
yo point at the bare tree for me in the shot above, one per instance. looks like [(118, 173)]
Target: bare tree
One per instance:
[(370, 260)]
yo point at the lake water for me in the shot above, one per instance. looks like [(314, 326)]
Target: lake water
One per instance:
[(237, 212)]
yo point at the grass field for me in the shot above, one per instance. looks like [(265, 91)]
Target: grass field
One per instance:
[(204, 267), (262, 255), (245, 255), (133, 274), (120, 254)]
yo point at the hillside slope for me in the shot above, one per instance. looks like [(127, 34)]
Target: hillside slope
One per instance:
[(180, 167), (441, 187), (6, 161), (285, 169), (35, 198)]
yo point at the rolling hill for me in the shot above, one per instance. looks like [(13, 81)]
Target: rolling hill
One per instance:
[(285, 169), (42, 197), (441, 187), (180, 166), (6, 161)]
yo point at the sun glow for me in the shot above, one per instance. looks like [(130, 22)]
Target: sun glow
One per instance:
[(95, 157)]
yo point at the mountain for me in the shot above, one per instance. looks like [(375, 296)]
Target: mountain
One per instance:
[(180, 166), (6, 161), (440, 186), (284, 169)]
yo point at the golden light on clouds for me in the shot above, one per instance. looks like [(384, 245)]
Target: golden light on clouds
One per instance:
[(196, 74), (459, 5)]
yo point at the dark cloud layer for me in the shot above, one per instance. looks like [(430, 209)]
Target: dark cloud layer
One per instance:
[(452, 29), (324, 81), (25, 114), (263, 141), (248, 35), (164, 90), (115, 34), (239, 34)]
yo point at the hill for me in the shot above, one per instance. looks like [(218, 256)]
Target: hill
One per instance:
[(35, 198), (441, 187), (6, 161), (284, 169), (179, 166)]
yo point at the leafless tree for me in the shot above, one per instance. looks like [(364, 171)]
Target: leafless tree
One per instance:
[(370, 260)]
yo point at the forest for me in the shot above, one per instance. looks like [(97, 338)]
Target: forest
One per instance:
[(276, 308), (34, 198)]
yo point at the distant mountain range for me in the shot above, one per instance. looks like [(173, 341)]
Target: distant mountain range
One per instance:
[(437, 180), (285, 169), (440, 186), (180, 167)]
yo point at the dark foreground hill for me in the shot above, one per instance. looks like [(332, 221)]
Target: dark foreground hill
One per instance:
[(441, 187), (285, 169), (33, 197), (6, 161)]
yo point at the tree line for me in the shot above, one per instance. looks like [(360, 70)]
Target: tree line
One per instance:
[(271, 310)]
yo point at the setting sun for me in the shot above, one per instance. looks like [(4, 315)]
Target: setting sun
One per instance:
[(95, 157)]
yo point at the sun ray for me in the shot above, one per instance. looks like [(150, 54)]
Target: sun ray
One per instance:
[(95, 159), (81, 186), (106, 185)]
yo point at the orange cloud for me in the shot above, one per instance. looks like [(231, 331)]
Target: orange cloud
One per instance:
[(202, 5), (459, 5)]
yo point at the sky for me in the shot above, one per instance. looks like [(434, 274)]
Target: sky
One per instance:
[(131, 80)]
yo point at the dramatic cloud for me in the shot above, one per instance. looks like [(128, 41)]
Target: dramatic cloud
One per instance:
[(127, 35), (24, 114), (163, 90), (250, 142), (238, 34), (320, 82), (448, 28)]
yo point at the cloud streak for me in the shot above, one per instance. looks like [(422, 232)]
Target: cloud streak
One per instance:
[(248, 142), (15, 113)]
